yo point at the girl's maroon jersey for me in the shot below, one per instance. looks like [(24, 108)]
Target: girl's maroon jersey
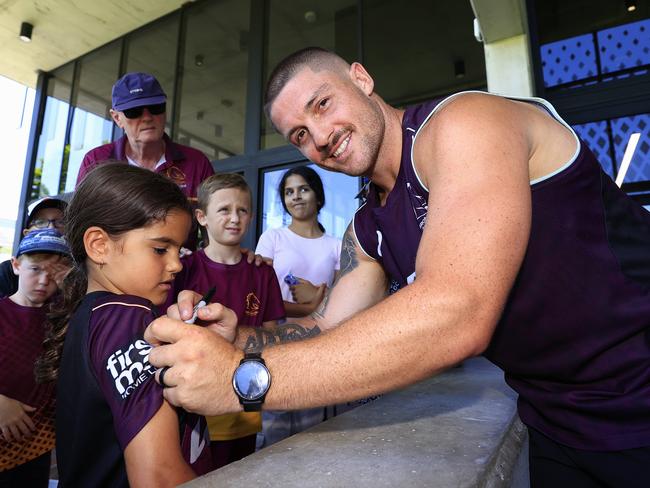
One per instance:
[(107, 393)]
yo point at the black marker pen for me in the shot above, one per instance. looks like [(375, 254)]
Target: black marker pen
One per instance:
[(202, 303)]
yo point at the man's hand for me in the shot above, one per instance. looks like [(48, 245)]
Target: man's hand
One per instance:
[(306, 292), (201, 365), (252, 257), (15, 423), (215, 316)]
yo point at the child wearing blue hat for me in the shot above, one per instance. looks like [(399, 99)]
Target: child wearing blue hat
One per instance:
[(46, 212), (27, 408)]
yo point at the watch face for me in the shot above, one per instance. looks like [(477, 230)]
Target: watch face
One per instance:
[(251, 380)]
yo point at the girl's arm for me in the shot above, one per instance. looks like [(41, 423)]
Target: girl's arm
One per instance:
[(154, 457)]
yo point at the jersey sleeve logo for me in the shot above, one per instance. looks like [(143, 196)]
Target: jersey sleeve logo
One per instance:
[(130, 367)]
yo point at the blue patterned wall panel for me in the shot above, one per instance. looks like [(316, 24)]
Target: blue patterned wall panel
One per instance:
[(569, 60), (621, 130), (624, 46), (595, 135)]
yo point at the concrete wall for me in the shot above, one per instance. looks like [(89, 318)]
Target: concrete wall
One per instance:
[(458, 429), (508, 67), (504, 33)]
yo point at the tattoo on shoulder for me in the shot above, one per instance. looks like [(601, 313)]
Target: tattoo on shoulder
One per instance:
[(262, 338)]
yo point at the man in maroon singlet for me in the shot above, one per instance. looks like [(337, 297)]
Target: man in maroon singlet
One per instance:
[(504, 237)]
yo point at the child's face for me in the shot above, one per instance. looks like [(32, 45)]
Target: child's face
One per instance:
[(227, 217), (51, 217), (143, 261), (299, 198), (36, 277)]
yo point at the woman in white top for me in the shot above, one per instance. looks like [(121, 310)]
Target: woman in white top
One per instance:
[(302, 249)]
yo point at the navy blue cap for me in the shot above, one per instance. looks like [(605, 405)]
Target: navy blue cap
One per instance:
[(43, 241), (137, 90)]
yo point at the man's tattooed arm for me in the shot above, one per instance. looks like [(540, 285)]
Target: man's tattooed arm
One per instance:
[(349, 262), (269, 336)]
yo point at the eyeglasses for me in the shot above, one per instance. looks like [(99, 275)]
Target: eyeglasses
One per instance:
[(135, 112), (44, 223)]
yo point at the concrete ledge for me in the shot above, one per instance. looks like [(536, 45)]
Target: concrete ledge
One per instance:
[(458, 429)]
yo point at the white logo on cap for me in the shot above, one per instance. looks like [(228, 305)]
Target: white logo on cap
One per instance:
[(136, 90)]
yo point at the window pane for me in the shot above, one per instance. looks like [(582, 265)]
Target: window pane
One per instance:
[(153, 50), (596, 136), (625, 46), (422, 51), (609, 139), (213, 100), (622, 130), (294, 24), (340, 201), (91, 123), (49, 155), (583, 42), (569, 60)]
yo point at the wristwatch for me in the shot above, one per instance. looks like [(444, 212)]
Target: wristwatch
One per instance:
[(251, 381)]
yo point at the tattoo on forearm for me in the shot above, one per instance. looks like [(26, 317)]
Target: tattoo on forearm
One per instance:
[(349, 262), (262, 338)]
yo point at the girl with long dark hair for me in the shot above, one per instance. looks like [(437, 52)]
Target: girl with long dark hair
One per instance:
[(125, 226), (301, 250)]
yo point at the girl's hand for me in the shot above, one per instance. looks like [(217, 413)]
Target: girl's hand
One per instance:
[(15, 423), (306, 292), (214, 316)]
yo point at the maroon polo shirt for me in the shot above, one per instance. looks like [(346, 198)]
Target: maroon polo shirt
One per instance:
[(185, 166)]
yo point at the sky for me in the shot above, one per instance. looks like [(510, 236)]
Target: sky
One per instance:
[(17, 102)]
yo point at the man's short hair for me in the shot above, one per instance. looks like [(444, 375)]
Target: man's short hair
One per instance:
[(316, 58)]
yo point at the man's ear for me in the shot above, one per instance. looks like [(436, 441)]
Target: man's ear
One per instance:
[(116, 118), (362, 78), (15, 265), (200, 217), (98, 245)]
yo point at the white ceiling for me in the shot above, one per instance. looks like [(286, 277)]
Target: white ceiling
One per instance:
[(66, 29)]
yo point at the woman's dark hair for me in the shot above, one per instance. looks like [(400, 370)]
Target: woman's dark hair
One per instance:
[(314, 182), (118, 198)]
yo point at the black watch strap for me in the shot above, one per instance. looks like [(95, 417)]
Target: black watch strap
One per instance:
[(252, 356)]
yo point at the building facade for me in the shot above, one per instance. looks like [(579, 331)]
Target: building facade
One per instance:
[(212, 57)]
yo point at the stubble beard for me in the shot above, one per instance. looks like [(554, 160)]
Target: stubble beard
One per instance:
[(370, 142)]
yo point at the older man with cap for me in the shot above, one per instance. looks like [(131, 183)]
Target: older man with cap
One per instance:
[(139, 109)]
